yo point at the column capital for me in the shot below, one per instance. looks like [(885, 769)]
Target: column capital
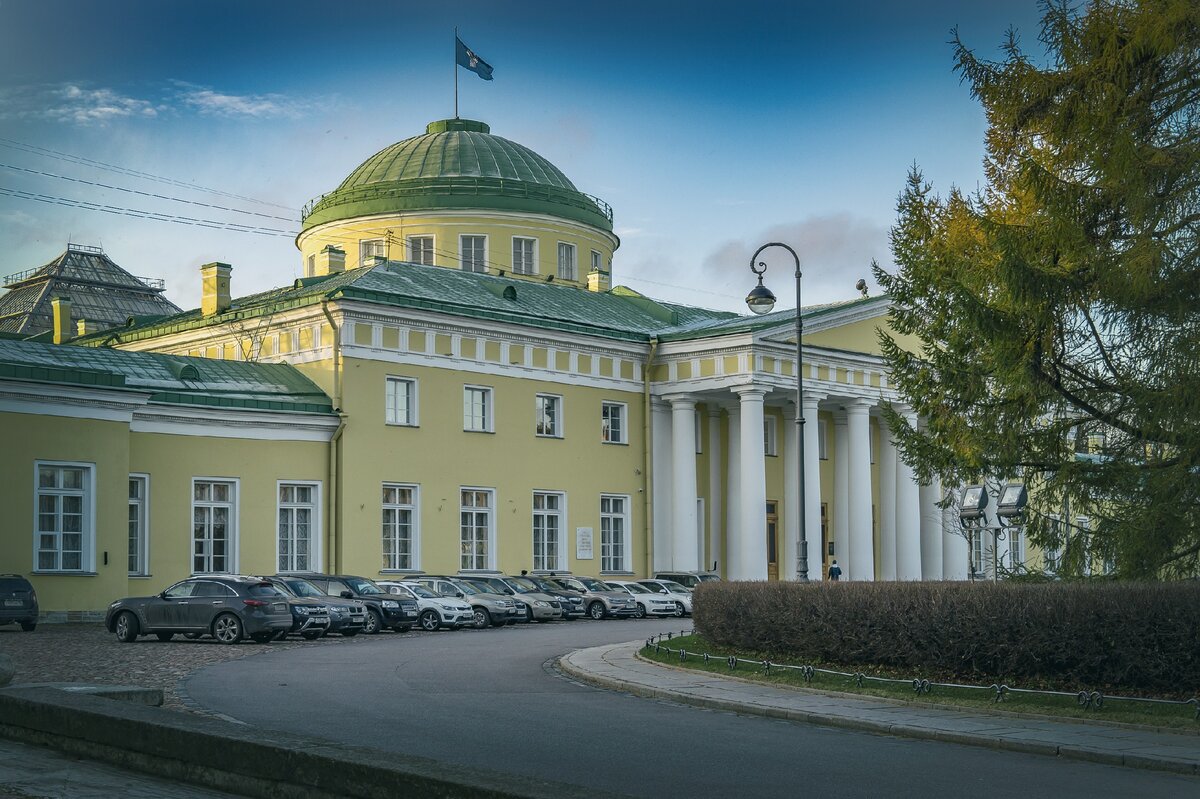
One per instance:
[(680, 400), (858, 406), (750, 391), (714, 409)]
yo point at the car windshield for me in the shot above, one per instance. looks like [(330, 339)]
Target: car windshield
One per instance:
[(264, 589), (492, 584), (544, 585), (634, 588), (365, 587), (709, 578), (570, 582), (466, 588), (302, 588), (420, 591), (523, 585), (675, 588), (593, 585)]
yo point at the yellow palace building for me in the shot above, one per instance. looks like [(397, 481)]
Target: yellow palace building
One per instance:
[(454, 385)]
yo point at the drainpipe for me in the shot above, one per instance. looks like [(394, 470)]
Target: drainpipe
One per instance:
[(648, 458), (335, 446)]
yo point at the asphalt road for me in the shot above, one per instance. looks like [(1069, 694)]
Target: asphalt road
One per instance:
[(490, 699)]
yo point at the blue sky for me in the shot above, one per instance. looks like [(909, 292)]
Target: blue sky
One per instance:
[(710, 127)]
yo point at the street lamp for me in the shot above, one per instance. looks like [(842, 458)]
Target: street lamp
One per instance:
[(972, 514), (761, 301)]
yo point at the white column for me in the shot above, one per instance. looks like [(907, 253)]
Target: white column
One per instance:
[(841, 493), (791, 495), (732, 563), (908, 517), (887, 502), (862, 543), (684, 532), (752, 537), (812, 486), (715, 508), (955, 550), (931, 532), (660, 434)]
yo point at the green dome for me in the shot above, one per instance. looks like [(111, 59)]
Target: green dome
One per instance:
[(458, 163)]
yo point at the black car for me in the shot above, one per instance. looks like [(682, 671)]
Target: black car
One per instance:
[(384, 610), (18, 602), (346, 616), (572, 602), (227, 607)]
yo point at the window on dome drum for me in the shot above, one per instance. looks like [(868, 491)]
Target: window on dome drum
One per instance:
[(566, 261), (400, 520), (595, 261), (65, 535), (547, 530), (477, 409), (400, 401), (312, 266), (770, 446), (475, 527), (298, 527), (214, 525), (524, 256), (614, 521), (139, 514), (420, 250), (472, 253), (612, 422), (370, 247), (548, 415)]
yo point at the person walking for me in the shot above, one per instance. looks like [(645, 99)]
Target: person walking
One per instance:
[(835, 571)]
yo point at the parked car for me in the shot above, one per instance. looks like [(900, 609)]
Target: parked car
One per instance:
[(572, 602), (227, 607), (18, 602), (599, 600), (538, 606), (346, 616), (680, 595), (649, 602), (488, 608), (688, 579), (435, 611), (384, 611)]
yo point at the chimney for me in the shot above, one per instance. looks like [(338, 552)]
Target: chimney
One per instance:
[(328, 261), (375, 260), (62, 319), (85, 327), (599, 280), (214, 288)]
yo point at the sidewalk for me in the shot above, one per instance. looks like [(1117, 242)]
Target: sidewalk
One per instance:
[(617, 667)]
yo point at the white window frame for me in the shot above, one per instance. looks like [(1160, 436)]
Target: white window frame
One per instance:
[(369, 247), (978, 552), (572, 271), (462, 260), (1084, 525), (489, 409), (606, 544), (87, 521), (770, 436), (315, 533), (822, 440), (1016, 547), (1052, 557), (231, 543), (141, 537), (597, 261), (489, 556), (533, 255), (554, 401), (414, 527), (412, 256), (559, 561), (390, 414), (622, 410)]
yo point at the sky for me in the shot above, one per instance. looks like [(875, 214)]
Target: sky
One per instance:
[(710, 127)]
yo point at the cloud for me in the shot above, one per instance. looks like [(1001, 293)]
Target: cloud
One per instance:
[(209, 102), (73, 103)]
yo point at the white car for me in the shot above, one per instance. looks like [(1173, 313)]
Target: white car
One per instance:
[(436, 611), (649, 602), (682, 597)]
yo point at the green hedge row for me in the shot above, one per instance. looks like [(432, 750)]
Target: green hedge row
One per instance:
[(1114, 637)]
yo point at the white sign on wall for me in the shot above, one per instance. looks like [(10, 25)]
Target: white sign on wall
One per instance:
[(583, 543)]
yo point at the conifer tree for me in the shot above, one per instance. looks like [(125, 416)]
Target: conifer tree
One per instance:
[(1059, 305)]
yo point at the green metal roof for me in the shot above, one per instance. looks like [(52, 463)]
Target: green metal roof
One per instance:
[(457, 163), (170, 379)]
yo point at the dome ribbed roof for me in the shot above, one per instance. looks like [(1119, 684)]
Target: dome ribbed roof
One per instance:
[(457, 163)]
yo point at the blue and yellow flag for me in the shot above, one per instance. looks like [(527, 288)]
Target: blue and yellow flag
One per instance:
[(467, 59)]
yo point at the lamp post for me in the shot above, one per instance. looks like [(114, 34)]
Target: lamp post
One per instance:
[(760, 300)]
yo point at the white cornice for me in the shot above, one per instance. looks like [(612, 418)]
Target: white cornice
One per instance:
[(221, 423)]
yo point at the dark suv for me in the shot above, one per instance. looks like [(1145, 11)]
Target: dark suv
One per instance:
[(227, 606), (346, 616), (18, 602), (384, 610), (572, 603)]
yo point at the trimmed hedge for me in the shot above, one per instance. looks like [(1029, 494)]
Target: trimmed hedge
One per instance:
[(1116, 637)]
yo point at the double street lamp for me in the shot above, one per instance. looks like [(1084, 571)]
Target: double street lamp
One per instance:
[(762, 301)]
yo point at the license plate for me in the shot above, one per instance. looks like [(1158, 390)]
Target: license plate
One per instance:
[(13, 603), (320, 622)]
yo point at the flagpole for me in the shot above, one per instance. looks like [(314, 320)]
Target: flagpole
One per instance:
[(456, 72)]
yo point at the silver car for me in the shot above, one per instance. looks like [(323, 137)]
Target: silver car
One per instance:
[(599, 599), (538, 606), (489, 609), (674, 591), (649, 602), (436, 612)]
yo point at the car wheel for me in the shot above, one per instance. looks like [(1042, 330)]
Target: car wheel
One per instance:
[(192, 636), (529, 613), (227, 628), (596, 610), (126, 627), (374, 622), (29, 626), (312, 635), (349, 633), (164, 636), (483, 619), (640, 613), (679, 610), (430, 621)]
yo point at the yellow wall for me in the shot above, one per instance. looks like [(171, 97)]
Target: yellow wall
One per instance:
[(861, 336)]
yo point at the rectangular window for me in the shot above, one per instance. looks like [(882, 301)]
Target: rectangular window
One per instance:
[(595, 261), (566, 261), (298, 530), (1016, 548), (420, 250), (548, 531), (475, 528), (472, 253), (614, 526), (1084, 525), (822, 438), (139, 519), (548, 418), (977, 552), (477, 409), (1050, 555), (214, 526), (401, 401), (399, 526), (312, 266), (524, 256), (770, 447), (63, 503), (612, 422), (368, 248)]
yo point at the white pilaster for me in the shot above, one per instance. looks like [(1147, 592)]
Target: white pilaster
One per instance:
[(931, 532), (733, 495), (660, 434), (862, 544), (715, 507), (791, 495), (812, 486), (908, 517), (955, 550), (887, 502), (683, 479), (752, 533), (841, 493)]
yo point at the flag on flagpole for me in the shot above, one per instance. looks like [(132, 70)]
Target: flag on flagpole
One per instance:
[(467, 59)]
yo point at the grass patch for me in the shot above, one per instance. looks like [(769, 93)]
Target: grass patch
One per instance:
[(1173, 716)]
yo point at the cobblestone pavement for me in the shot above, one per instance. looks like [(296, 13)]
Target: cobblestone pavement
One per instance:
[(89, 653)]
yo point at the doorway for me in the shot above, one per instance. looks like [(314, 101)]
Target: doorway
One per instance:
[(772, 540)]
